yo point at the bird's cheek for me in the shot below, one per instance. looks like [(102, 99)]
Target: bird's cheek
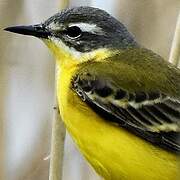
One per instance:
[(61, 52)]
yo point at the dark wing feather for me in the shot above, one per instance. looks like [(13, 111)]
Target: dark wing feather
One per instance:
[(150, 113)]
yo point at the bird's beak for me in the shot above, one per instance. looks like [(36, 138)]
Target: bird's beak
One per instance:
[(33, 30)]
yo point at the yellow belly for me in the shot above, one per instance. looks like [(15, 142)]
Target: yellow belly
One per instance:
[(114, 153)]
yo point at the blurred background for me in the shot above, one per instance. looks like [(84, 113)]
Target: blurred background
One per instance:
[(27, 80)]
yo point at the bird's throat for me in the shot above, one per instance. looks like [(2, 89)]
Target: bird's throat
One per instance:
[(68, 57)]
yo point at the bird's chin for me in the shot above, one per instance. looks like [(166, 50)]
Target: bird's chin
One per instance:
[(56, 51), (62, 54)]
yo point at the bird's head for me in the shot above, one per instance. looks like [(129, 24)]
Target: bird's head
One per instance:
[(80, 34)]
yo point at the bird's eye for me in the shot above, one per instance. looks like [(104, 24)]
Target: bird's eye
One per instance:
[(73, 32)]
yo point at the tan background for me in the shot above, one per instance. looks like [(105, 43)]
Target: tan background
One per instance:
[(27, 80)]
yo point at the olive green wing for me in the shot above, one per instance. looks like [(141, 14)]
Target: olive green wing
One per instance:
[(124, 93)]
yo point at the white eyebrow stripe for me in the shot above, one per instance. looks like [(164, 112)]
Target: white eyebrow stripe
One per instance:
[(85, 27)]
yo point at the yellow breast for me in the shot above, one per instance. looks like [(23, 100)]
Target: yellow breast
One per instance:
[(113, 152)]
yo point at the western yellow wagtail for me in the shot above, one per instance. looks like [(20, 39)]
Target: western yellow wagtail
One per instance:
[(119, 101)]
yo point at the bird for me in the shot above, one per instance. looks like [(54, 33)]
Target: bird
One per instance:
[(119, 101)]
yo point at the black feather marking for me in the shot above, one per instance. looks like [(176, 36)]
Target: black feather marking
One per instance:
[(120, 94), (134, 121), (153, 95), (171, 140), (152, 115), (139, 116), (128, 116), (140, 97), (86, 86), (159, 114), (148, 116), (131, 97), (168, 111), (104, 91)]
